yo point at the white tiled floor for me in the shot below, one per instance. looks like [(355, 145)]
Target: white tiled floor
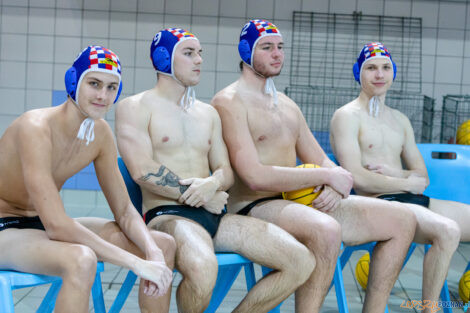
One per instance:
[(408, 287)]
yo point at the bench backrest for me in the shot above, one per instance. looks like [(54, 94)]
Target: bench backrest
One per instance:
[(449, 178), (132, 188)]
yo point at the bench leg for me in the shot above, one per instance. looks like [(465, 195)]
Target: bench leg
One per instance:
[(339, 288), (250, 277), (445, 297), (226, 276), (124, 292), (97, 294), (6, 297), (48, 303)]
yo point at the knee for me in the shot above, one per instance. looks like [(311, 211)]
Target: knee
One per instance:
[(302, 265), (448, 235), (200, 273), (324, 238), (80, 265), (168, 246)]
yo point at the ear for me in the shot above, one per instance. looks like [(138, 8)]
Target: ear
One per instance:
[(394, 70), (119, 91), (245, 51), (71, 82), (161, 60), (357, 72)]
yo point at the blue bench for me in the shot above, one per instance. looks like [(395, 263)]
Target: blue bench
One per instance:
[(11, 280), (448, 168), (230, 264)]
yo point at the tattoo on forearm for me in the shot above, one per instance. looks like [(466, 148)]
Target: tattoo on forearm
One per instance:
[(169, 179)]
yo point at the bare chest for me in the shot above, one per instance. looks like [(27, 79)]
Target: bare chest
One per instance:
[(275, 128), (65, 161), (379, 136), (185, 131), (69, 160)]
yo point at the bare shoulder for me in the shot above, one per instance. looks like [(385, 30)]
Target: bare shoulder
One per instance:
[(33, 124), (103, 127), (227, 97), (105, 141), (289, 106), (401, 117), (134, 110), (348, 112), (207, 109), (287, 101), (132, 103)]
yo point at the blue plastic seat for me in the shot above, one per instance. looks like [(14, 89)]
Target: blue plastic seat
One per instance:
[(11, 280), (448, 180), (449, 176), (230, 264)]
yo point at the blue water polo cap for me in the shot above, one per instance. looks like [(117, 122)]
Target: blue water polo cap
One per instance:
[(163, 46), (253, 31), (372, 50), (92, 59)]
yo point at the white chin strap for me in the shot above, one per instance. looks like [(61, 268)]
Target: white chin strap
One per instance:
[(188, 98), (86, 131), (189, 95), (374, 103), (270, 89)]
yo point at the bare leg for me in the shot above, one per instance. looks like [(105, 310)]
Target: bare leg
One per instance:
[(195, 260), (456, 211), (30, 250), (392, 225), (268, 245), (444, 235), (320, 233), (110, 231)]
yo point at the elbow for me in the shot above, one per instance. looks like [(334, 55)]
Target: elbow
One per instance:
[(125, 218), (253, 176), (262, 178), (253, 182), (227, 179), (138, 177), (256, 184), (360, 184), (58, 231)]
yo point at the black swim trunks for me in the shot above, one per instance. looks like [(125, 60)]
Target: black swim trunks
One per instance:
[(21, 223), (407, 198), (200, 215), (246, 210)]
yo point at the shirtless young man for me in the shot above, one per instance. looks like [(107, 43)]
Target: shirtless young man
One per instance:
[(173, 147), (264, 132), (371, 140), (39, 152)]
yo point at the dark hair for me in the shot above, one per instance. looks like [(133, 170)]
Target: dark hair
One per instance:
[(241, 66)]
